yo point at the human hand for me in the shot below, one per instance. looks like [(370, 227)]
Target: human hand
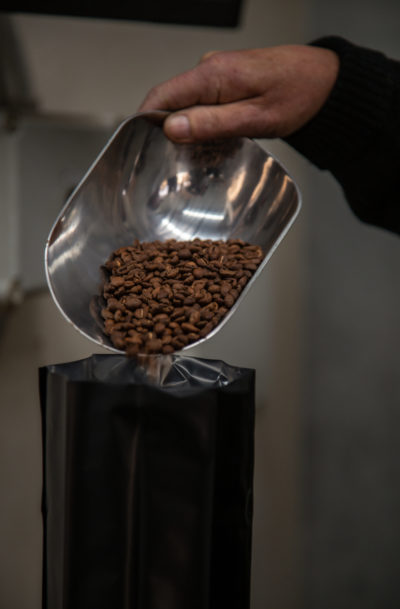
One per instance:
[(269, 92)]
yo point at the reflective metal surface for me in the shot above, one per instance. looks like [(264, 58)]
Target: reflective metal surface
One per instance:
[(144, 186)]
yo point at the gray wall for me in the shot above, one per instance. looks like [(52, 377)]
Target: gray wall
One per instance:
[(352, 373)]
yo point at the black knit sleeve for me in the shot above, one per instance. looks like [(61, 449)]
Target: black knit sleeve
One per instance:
[(356, 135)]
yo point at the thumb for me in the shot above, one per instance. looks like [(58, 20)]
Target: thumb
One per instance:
[(199, 123)]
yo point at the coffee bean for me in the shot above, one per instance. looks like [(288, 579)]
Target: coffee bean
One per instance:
[(133, 302), (194, 317), (177, 313), (198, 273), (134, 337), (188, 327), (205, 297), (118, 340), (109, 325), (184, 253), (132, 350), (161, 317), (229, 300), (250, 266), (206, 314), (161, 296), (206, 330), (114, 305), (106, 314), (190, 300), (117, 281), (159, 327), (153, 345), (118, 315)]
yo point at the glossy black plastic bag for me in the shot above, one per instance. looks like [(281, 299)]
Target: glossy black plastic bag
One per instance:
[(148, 474)]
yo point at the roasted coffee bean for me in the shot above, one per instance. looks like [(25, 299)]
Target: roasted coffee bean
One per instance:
[(117, 281), (106, 314), (133, 302), (190, 300), (161, 317), (118, 340), (166, 349), (153, 345), (177, 313), (159, 327), (229, 300), (146, 323), (188, 327), (109, 325), (206, 330), (176, 328), (198, 273), (134, 337), (118, 315), (184, 253), (194, 317), (161, 296), (132, 350), (114, 305), (206, 314)]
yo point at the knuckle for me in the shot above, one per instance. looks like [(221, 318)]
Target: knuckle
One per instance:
[(157, 90), (207, 55), (213, 58), (153, 94)]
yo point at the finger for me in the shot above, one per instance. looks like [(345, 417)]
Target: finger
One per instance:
[(207, 55), (210, 82), (244, 118), (187, 89)]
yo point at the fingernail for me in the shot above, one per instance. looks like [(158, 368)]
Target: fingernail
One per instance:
[(179, 127)]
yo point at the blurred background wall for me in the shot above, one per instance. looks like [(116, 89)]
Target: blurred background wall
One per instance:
[(321, 326), (351, 407)]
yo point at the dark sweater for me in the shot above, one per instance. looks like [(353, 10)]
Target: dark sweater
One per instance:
[(356, 135)]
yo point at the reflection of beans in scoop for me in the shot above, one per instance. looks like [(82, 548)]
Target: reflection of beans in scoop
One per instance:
[(161, 296)]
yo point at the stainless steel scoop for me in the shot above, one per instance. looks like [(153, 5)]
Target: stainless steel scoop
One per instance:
[(143, 186)]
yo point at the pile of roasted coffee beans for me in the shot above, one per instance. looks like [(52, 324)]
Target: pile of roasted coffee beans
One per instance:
[(161, 296)]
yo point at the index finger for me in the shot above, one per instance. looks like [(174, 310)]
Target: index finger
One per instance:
[(187, 89)]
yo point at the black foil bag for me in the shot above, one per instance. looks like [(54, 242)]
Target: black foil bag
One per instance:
[(148, 475)]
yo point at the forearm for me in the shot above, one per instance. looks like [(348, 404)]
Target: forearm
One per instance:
[(356, 135)]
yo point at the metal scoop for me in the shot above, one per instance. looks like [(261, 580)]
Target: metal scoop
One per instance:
[(143, 186)]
